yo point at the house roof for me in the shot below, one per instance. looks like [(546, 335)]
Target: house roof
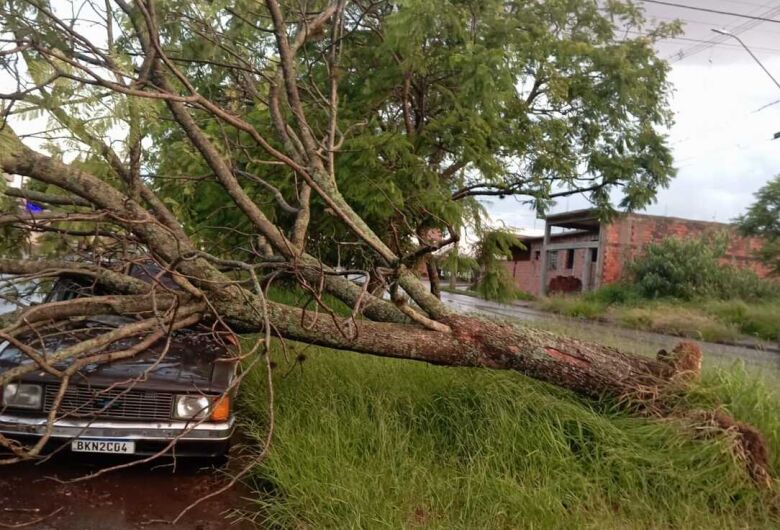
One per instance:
[(558, 235), (586, 219)]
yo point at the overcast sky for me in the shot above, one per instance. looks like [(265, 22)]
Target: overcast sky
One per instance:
[(723, 148)]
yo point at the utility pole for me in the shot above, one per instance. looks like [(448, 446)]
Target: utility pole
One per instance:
[(753, 55)]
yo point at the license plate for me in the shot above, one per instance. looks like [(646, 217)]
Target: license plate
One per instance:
[(103, 446)]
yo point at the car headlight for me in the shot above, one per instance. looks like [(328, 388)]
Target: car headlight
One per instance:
[(22, 396), (215, 408), (192, 407)]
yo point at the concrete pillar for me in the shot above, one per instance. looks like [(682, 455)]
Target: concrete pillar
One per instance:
[(547, 230), (586, 270), (600, 258)]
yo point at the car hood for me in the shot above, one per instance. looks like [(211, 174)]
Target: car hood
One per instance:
[(194, 360)]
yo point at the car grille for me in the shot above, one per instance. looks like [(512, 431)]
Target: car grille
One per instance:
[(83, 401)]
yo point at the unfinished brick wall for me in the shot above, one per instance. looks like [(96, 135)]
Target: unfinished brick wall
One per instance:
[(627, 236), (622, 241), (526, 267)]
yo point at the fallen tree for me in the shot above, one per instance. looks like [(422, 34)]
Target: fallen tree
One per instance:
[(249, 105)]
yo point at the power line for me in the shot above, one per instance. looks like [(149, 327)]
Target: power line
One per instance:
[(716, 11), (690, 21), (725, 44), (761, 3), (753, 55), (765, 50), (775, 102), (736, 30)]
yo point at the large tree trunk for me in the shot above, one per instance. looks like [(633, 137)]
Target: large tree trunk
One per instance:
[(588, 369)]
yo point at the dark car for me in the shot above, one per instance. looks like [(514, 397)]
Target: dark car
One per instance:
[(179, 397)]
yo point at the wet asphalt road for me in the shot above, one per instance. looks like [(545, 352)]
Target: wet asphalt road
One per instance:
[(126, 499)]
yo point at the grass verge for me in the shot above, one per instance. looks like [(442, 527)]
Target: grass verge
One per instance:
[(378, 443), (516, 294), (709, 320)]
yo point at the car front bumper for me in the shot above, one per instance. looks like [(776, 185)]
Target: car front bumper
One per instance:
[(192, 439)]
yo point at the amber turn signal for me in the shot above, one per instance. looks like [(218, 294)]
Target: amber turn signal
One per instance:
[(232, 339), (221, 409)]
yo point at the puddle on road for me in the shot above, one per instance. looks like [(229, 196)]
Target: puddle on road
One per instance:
[(120, 500)]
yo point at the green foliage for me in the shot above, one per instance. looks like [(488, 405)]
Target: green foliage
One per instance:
[(690, 268), (760, 320), (512, 95), (377, 443), (763, 219), (435, 97), (456, 263), (614, 293), (494, 282)]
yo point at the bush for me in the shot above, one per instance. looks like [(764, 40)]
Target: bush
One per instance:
[(494, 281), (616, 293), (681, 321), (690, 268), (759, 320)]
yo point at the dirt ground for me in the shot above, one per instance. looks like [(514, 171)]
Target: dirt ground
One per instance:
[(128, 499)]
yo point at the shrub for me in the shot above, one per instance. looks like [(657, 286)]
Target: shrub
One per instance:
[(494, 281), (759, 320), (681, 321), (690, 268), (616, 293)]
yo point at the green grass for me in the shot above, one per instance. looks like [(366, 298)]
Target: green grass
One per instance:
[(756, 319), (710, 320), (574, 306), (674, 319), (514, 294), (377, 443)]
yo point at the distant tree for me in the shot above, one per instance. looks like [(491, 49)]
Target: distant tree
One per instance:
[(494, 282), (763, 219)]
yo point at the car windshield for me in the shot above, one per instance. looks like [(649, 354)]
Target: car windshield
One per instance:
[(68, 289), (18, 292)]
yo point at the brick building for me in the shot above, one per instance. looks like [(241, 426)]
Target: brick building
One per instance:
[(579, 253)]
